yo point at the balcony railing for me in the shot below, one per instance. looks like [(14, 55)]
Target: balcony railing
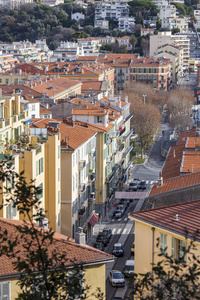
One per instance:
[(122, 131), (7, 122), (91, 178), (21, 116), (109, 178), (82, 164), (128, 151), (129, 117), (128, 135), (82, 188)]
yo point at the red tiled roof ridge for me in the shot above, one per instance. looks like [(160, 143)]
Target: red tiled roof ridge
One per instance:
[(163, 207)]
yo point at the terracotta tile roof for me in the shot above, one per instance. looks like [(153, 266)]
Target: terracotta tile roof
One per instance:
[(164, 217), (75, 135), (75, 252), (44, 110), (7, 90), (192, 142), (52, 85), (93, 112), (173, 162), (176, 183), (190, 162), (87, 105), (91, 85), (184, 134), (147, 29), (31, 99)]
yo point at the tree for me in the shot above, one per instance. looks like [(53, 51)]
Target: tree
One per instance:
[(175, 30), (36, 255), (179, 106), (145, 46), (123, 49), (133, 41), (170, 278)]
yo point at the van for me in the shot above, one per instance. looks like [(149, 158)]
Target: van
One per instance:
[(129, 268)]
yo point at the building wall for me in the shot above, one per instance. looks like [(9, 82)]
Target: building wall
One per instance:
[(95, 277), (174, 197)]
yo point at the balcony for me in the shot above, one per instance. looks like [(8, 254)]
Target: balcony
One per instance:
[(129, 117), (120, 80), (109, 140), (128, 135), (21, 116), (81, 212), (120, 74), (91, 178), (82, 164), (116, 134), (7, 122), (109, 159), (128, 151), (91, 198), (122, 131), (82, 188), (110, 178)]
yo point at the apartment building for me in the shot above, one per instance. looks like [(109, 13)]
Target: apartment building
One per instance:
[(166, 11), (93, 261), (167, 224), (89, 45), (163, 38), (24, 51), (12, 4), (111, 118), (126, 24), (77, 16), (197, 17), (34, 156), (52, 2), (19, 78), (175, 55), (180, 23), (7, 62), (146, 31), (125, 41), (66, 51), (104, 24), (105, 10), (77, 174)]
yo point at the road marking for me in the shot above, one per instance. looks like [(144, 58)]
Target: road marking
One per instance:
[(119, 220), (113, 231), (118, 231), (124, 231), (125, 219)]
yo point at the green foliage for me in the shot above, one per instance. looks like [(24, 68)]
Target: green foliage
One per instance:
[(180, 8), (175, 30), (142, 8), (40, 263), (170, 278)]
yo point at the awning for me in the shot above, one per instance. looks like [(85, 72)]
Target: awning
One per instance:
[(93, 220)]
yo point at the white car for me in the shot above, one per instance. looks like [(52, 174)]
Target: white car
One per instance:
[(116, 278)]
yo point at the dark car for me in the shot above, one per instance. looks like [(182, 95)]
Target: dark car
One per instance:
[(99, 246), (124, 203), (143, 185), (103, 238), (118, 249), (118, 213), (108, 231)]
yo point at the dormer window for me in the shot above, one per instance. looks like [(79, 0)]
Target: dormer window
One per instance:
[(99, 119), (56, 69)]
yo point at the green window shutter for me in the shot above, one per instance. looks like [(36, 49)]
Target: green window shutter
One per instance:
[(173, 247), (58, 219), (58, 197), (37, 168), (42, 165)]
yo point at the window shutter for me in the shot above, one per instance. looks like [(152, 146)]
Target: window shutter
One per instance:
[(95, 119), (6, 291), (37, 168), (42, 165), (173, 248)]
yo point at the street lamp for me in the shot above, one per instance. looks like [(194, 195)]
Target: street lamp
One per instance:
[(144, 97)]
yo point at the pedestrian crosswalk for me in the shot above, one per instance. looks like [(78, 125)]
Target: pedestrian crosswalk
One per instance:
[(120, 231), (150, 182)]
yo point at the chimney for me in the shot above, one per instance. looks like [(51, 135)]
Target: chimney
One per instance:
[(160, 181), (177, 219), (174, 153), (80, 236), (119, 104), (126, 99), (192, 168)]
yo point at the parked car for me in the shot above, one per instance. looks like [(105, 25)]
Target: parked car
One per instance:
[(142, 185), (103, 238), (129, 268), (187, 78), (133, 186), (116, 278), (118, 249), (121, 207), (99, 246), (109, 232), (118, 213), (117, 298), (124, 203)]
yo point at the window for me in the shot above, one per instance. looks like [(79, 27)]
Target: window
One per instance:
[(40, 193), (11, 212), (163, 243), (58, 197), (10, 184), (39, 166), (7, 81), (73, 182), (178, 249), (73, 160), (58, 151), (58, 174), (133, 77), (5, 291), (162, 70), (58, 219), (0, 80), (33, 106)]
